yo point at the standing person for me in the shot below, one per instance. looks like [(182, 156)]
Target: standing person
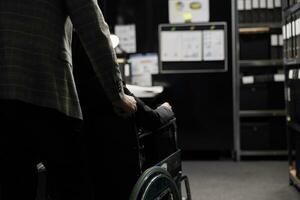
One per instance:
[(39, 107), (111, 141)]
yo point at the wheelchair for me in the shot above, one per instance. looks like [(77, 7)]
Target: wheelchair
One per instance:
[(159, 175), (161, 167)]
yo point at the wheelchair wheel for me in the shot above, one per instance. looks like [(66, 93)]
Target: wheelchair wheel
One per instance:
[(155, 184)]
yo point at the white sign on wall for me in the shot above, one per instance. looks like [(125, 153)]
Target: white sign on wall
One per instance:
[(181, 46), (206, 45), (127, 36), (142, 68), (213, 45), (181, 11)]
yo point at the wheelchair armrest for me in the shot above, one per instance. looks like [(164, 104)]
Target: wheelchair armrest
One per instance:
[(172, 122)]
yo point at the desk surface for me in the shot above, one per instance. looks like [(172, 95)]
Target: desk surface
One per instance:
[(145, 92)]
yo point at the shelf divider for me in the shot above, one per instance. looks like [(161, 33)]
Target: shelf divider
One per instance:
[(260, 63), (262, 113), (264, 153), (269, 25)]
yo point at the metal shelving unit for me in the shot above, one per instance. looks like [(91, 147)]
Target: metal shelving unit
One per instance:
[(293, 127), (260, 25), (257, 28), (248, 29), (292, 62), (261, 63), (262, 113)]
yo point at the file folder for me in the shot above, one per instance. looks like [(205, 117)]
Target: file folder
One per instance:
[(255, 11), (241, 11), (270, 11), (274, 45), (248, 11), (278, 10), (263, 10)]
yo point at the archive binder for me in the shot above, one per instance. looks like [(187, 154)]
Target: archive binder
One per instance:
[(294, 39), (274, 46), (255, 10), (241, 10), (263, 11), (297, 37), (284, 37), (248, 11), (259, 11), (270, 11), (285, 4), (289, 39), (277, 10), (280, 47)]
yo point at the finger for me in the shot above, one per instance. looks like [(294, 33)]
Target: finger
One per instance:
[(135, 108)]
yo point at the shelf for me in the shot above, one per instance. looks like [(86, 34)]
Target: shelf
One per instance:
[(294, 179), (274, 25), (294, 126), (257, 30), (260, 63), (264, 153), (263, 113), (291, 10), (295, 61)]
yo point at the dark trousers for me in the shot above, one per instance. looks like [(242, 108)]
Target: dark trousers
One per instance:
[(112, 155), (31, 134)]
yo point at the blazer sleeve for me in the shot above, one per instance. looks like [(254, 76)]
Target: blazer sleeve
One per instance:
[(94, 34), (165, 114), (151, 119)]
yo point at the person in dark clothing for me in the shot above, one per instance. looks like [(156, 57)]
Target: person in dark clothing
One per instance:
[(40, 112), (111, 149)]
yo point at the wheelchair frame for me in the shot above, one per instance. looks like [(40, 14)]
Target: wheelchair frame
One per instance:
[(163, 180)]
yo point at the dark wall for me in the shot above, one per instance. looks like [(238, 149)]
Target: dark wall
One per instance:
[(202, 102), (146, 14)]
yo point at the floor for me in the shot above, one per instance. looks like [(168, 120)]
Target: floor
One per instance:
[(226, 180)]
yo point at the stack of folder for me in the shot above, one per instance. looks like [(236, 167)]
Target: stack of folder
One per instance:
[(259, 11), (291, 36), (264, 46), (276, 46)]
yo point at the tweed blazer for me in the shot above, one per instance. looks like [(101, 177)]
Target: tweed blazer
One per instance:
[(35, 52)]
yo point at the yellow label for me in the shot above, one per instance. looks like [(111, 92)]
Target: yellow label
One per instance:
[(187, 17), (195, 5), (212, 27)]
